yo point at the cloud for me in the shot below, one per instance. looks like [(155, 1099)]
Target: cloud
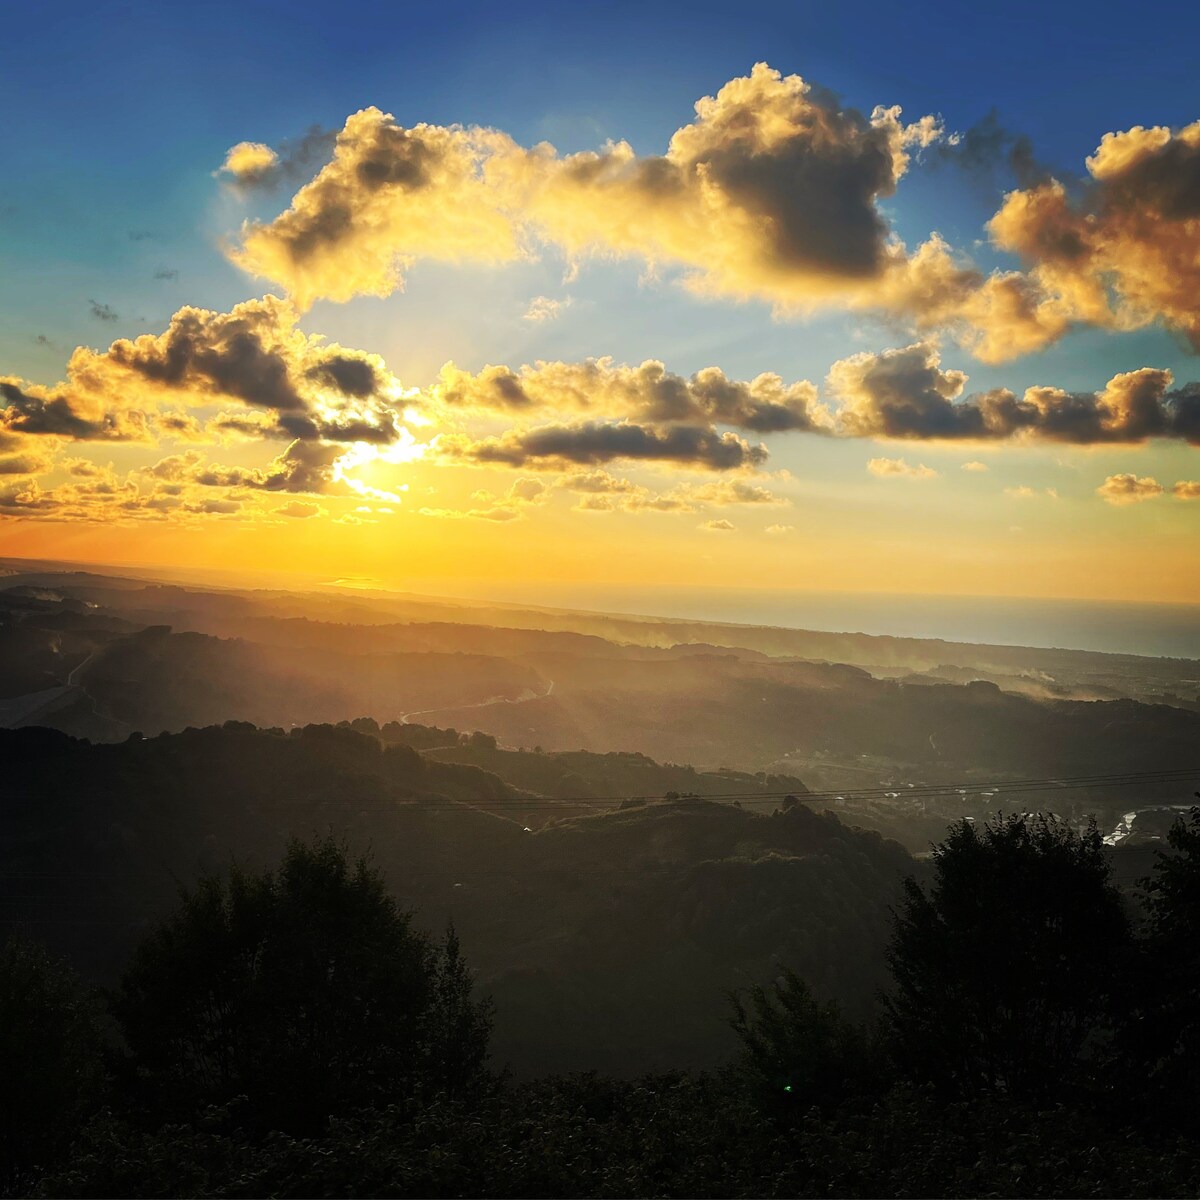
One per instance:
[(22, 498), (589, 443), (102, 312), (646, 393), (900, 394), (22, 455), (37, 411), (772, 191), (166, 273), (987, 145), (1129, 489), (478, 514), (28, 463), (718, 526), (897, 468), (175, 467), (97, 493), (300, 509), (543, 308), (249, 161), (778, 530), (974, 466), (253, 354), (214, 506), (313, 467), (1124, 251), (905, 394), (388, 196), (725, 492), (603, 492), (253, 166), (597, 482), (522, 493)]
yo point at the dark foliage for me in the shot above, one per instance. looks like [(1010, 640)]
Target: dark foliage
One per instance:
[(1004, 969), (660, 1136), (797, 1052), (1158, 1054), (305, 990), (51, 1058)]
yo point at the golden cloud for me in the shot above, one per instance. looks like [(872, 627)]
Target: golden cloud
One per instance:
[(1129, 489), (601, 491), (1126, 252), (772, 192), (389, 196), (647, 393), (905, 394), (589, 443), (898, 468), (253, 355)]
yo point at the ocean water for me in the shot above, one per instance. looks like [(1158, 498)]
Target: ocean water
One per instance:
[(1160, 630)]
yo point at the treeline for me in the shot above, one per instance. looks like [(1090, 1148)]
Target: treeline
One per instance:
[(604, 938), (290, 1032)]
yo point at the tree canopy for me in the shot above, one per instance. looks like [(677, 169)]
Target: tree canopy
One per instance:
[(305, 990), (1003, 969)]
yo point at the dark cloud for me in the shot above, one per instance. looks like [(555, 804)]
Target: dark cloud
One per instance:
[(23, 497), (54, 415), (349, 375), (1183, 407), (296, 161), (22, 464), (590, 443), (166, 273), (228, 354), (988, 146), (301, 387), (1122, 250), (102, 312), (772, 190), (302, 467), (905, 394), (647, 393), (247, 354), (141, 235)]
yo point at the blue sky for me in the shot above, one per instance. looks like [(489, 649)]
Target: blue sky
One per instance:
[(113, 217), (124, 110)]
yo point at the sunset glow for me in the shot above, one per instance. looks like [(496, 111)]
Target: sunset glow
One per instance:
[(749, 333)]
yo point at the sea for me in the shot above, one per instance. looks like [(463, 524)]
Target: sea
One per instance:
[(1157, 630)]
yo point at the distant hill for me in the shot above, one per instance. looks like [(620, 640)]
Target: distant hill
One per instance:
[(607, 940), (102, 658)]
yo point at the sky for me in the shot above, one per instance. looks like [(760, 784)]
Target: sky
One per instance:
[(852, 299)]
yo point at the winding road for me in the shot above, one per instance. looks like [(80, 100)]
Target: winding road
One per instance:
[(406, 718)]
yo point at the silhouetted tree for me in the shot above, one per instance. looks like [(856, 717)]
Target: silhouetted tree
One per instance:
[(797, 1052), (1160, 1048), (1004, 969), (304, 989), (457, 1026), (51, 1059)]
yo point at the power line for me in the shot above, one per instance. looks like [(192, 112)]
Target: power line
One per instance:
[(963, 790), (994, 789)]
